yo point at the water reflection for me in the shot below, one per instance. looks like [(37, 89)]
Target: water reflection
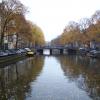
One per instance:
[(52, 84), (15, 79), (51, 78), (85, 72)]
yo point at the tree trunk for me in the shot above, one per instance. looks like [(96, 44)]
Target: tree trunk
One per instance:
[(16, 41), (2, 41)]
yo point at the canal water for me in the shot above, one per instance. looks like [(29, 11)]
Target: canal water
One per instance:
[(51, 78)]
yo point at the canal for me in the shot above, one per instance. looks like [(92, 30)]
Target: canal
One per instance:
[(51, 78)]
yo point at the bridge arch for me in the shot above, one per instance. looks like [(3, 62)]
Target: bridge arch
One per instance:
[(50, 51)]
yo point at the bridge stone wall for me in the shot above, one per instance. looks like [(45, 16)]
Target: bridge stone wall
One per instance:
[(60, 50)]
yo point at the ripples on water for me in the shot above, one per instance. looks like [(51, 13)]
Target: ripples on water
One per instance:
[(51, 78)]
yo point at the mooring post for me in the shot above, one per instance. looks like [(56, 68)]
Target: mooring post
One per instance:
[(50, 51), (61, 51)]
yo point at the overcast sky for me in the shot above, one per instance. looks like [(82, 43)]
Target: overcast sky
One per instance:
[(53, 15)]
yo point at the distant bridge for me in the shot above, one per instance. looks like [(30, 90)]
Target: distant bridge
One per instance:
[(51, 49)]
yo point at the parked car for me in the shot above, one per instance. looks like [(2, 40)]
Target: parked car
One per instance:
[(21, 51), (8, 52), (94, 53), (29, 52), (3, 53), (13, 51), (82, 51), (27, 49)]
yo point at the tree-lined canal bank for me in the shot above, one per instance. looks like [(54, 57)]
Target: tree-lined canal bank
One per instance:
[(51, 78)]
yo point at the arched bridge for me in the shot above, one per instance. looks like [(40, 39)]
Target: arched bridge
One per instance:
[(59, 49)]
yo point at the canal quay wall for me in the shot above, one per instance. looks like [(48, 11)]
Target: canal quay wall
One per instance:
[(5, 60)]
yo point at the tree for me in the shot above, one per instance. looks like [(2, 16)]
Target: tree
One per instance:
[(8, 9), (96, 17), (37, 35), (23, 29), (86, 30)]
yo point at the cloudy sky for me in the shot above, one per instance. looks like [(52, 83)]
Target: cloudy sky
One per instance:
[(53, 15)]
